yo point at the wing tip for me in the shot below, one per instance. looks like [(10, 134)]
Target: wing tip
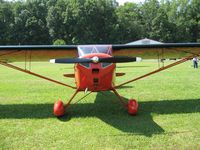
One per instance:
[(52, 60), (138, 59)]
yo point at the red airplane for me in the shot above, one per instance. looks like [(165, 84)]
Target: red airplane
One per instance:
[(94, 68)]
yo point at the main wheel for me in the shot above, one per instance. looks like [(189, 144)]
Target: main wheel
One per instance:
[(132, 107), (59, 109)]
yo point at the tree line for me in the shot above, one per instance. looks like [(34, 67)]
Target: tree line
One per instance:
[(98, 21)]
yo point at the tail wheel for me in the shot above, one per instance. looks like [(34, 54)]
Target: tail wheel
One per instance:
[(132, 107), (59, 109)]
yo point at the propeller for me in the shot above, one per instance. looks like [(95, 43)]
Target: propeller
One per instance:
[(95, 59)]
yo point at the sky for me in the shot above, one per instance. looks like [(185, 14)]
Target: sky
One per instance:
[(121, 2)]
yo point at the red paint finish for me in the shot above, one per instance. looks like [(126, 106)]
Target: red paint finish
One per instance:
[(59, 109), (132, 107), (95, 77)]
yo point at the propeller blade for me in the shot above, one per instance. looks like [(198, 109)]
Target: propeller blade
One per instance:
[(71, 60), (95, 59), (118, 59)]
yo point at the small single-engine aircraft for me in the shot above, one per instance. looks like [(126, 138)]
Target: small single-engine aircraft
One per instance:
[(94, 68)]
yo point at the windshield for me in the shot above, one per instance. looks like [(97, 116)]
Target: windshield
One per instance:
[(88, 49)]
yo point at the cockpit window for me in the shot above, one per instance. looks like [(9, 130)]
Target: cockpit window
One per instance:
[(89, 49)]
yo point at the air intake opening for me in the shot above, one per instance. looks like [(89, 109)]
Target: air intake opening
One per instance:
[(95, 71), (95, 81)]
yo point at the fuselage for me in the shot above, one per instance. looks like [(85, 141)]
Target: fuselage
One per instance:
[(95, 76)]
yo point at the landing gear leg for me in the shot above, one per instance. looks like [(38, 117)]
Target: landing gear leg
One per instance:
[(132, 105), (120, 98)]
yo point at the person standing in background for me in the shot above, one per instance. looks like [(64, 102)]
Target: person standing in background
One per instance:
[(195, 62)]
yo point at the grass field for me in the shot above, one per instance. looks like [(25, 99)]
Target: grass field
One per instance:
[(168, 117)]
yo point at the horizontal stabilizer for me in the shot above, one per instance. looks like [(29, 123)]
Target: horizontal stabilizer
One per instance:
[(69, 75), (120, 74)]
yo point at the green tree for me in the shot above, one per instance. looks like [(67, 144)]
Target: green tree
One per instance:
[(82, 21), (98, 21), (55, 20), (129, 25), (194, 20), (6, 20), (30, 23), (149, 12), (178, 15)]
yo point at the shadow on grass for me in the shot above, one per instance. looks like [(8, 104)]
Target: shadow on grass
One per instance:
[(109, 110)]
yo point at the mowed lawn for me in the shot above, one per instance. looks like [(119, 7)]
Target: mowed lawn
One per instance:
[(168, 117)]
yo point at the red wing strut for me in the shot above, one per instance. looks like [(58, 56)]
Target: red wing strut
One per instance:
[(185, 51), (156, 71), (35, 74), (31, 53)]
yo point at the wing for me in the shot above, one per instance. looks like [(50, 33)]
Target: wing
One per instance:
[(154, 51), (31, 53), (36, 52), (47, 52), (185, 51)]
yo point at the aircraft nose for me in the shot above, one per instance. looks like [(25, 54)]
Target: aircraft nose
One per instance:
[(95, 59)]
